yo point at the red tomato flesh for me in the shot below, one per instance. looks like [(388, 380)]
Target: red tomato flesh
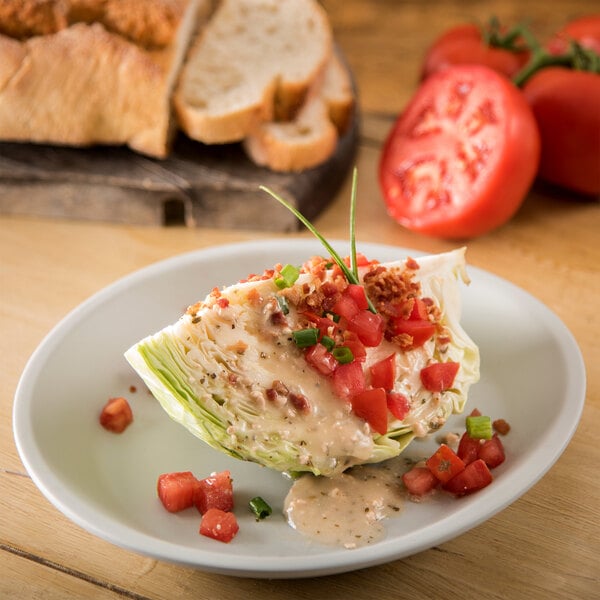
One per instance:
[(383, 373), (345, 307), (398, 405), (321, 359), (419, 330), (368, 326), (357, 293), (439, 376), (492, 452), (176, 490), (116, 415), (419, 481), (474, 477), (219, 525), (348, 380), (371, 405), (214, 491), (460, 159), (445, 464), (468, 448)]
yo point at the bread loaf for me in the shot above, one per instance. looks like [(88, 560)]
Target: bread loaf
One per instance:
[(254, 62), (84, 85), (311, 137)]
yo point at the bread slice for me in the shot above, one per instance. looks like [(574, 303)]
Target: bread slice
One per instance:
[(85, 85), (311, 137), (255, 61)]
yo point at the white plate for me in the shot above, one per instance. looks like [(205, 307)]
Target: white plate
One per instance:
[(532, 376)]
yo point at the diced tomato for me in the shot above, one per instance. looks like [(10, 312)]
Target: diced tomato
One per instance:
[(348, 380), (468, 448), (368, 326), (398, 405), (357, 293), (345, 307), (420, 330), (214, 491), (439, 376), (176, 490), (492, 452), (474, 477), (219, 525), (371, 405), (356, 346), (323, 324), (383, 373), (419, 481), (419, 311), (444, 463), (116, 415), (321, 359)]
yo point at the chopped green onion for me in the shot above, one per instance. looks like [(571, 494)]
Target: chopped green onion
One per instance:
[(287, 276), (305, 338), (343, 354), (260, 508), (283, 305), (350, 276), (479, 427), (328, 342)]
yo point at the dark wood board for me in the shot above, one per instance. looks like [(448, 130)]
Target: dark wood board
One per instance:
[(197, 186)]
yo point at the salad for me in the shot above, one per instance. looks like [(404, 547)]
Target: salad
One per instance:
[(321, 366)]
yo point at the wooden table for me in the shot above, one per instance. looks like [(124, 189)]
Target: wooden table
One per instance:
[(545, 545)]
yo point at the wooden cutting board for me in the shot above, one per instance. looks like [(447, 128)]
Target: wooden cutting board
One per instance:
[(197, 186)]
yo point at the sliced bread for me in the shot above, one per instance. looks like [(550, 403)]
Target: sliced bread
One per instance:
[(311, 137), (254, 61), (85, 85)]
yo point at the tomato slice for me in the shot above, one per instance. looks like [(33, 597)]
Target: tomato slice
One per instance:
[(176, 490), (420, 330), (444, 463), (398, 405), (219, 525), (439, 376), (383, 373), (368, 326), (214, 491), (321, 359), (371, 405), (460, 159), (474, 477), (348, 380), (419, 481)]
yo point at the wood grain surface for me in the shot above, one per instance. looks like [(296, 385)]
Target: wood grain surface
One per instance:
[(546, 545)]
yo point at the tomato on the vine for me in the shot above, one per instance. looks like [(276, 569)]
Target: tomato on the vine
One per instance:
[(466, 44), (584, 30), (566, 105), (460, 159)]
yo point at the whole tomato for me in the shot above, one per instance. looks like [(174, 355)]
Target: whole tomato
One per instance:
[(566, 105), (471, 44), (585, 30), (461, 157)]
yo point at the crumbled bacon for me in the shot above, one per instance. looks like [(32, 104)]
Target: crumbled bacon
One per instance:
[(390, 287), (501, 426), (300, 402), (412, 264), (223, 302)]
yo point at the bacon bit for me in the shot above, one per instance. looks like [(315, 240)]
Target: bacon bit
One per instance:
[(253, 296), (390, 287), (132, 389), (404, 340), (501, 426), (412, 264), (223, 302), (194, 308), (299, 401), (239, 347), (278, 318)]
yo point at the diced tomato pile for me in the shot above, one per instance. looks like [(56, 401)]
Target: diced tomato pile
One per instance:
[(460, 472), (212, 496), (348, 329)]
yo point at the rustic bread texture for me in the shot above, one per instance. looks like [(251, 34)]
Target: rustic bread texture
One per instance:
[(84, 85), (311, 137), (254, 62)]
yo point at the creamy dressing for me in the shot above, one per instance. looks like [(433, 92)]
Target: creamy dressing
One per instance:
[(349, 509)]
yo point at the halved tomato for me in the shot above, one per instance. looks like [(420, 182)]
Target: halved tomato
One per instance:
[(462, 156)]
